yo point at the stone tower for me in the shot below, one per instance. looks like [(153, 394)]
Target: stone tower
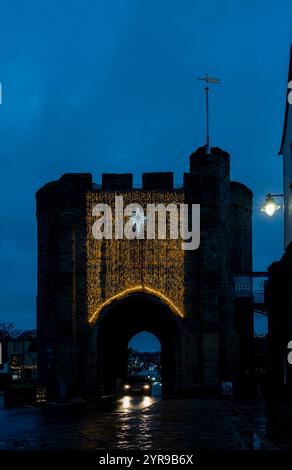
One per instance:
[(93, 296)]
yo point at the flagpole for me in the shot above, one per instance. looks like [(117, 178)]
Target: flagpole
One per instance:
[(207, 119), (208, 80)]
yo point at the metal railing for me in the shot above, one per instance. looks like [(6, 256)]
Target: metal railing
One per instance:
[(253, 286)]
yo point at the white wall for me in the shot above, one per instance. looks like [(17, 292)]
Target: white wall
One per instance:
[(287, 156)]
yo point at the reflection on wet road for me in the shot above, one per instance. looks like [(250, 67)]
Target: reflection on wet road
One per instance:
[(143, 422), (134, 403), (32, 427)]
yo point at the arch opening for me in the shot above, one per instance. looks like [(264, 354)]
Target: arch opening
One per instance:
[(123, 320), (144, 358)]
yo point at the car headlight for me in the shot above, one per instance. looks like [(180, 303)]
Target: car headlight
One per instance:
[(146, 387), (126, 386)]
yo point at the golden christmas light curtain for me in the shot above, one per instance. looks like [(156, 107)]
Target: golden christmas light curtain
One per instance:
[(115, 268)]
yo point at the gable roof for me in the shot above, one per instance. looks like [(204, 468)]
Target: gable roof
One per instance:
[(287, 105)]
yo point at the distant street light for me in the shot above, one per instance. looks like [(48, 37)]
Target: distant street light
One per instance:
[(270, 206)]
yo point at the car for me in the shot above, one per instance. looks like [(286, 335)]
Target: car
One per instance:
[(140, 384)]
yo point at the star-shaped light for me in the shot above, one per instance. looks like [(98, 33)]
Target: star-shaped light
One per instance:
[(138, 219)]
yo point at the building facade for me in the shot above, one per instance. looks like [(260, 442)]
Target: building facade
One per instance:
[(95, 295), (279, 287), (22, 357), (286, 152)]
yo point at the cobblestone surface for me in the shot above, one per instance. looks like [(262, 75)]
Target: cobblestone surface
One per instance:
[(166, 425)]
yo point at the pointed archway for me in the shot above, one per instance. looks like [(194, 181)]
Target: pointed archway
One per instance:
[(123, 319)]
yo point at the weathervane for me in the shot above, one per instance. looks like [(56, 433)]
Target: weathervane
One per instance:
[(215, 81)]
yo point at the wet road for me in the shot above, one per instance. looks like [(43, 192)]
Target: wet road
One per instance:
[(30, 426), (141, 423)]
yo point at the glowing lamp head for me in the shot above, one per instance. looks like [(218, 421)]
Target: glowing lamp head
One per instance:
[(270, 207), (126, 387), (146, 387)]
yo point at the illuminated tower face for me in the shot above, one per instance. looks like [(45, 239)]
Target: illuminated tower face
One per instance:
[(152, 265)]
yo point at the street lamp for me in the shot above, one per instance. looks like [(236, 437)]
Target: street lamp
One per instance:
[(270, 206)]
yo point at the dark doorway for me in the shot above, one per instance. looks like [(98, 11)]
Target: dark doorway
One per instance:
[(124, 319)]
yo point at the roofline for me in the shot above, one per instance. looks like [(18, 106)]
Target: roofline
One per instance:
[(287, 105)]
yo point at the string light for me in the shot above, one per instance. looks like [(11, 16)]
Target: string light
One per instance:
[(116, 268), (132, 290)]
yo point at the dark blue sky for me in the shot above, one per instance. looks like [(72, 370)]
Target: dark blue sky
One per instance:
[(145, 342), (104, 86)]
